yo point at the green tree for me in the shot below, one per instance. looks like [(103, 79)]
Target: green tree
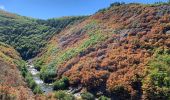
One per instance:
[(62, 95), (87, 96)]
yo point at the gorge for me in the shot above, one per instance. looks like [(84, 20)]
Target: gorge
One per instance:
[(119, 53)]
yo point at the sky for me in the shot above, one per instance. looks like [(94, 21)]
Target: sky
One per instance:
[(45, 9)]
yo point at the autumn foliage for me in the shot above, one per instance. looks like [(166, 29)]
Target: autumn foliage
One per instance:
[(12, 86), (114, 64)]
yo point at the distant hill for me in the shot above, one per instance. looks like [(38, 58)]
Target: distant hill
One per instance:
[(121, 52), (28, 35)]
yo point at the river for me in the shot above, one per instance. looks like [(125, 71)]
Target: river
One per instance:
[(46, 88)]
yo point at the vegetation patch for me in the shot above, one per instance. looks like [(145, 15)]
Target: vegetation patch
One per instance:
[(62, 95), (96, 36), (120, 92), (61, 84), (156, 84), (87, 96), (28, 77), (28, 35), (104, 98)]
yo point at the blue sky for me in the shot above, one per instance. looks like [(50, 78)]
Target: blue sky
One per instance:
[(45, 9)]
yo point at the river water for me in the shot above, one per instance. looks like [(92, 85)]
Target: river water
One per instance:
[(35, 73), (46, 88)]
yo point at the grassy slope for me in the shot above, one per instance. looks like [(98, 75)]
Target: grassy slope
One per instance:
[(109, 51)]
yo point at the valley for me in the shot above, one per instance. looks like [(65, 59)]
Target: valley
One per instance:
[(119, 53)]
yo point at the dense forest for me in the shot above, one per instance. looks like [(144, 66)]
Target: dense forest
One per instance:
[(119, 53), (28, 35)]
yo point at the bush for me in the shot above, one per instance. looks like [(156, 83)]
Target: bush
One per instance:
[(22, 67), (62, 95), (61, 84), (38, 64), (32, 84), (24, 71), (47, 74), (117, 4), (156, 84), (47, 77), (37, 90), (104, 98), (87, 96), (120, 92), (102, 10)]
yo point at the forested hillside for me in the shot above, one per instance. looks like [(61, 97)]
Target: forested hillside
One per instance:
[(28, 35), (121, 52)]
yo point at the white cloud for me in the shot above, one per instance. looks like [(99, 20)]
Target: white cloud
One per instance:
[(2, 7)]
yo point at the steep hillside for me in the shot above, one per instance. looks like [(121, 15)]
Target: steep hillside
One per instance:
[(28, 35), (116, 52), (12, 86)]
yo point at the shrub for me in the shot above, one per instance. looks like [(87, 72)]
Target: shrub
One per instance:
[(32, 84), (156, 84), (22, 67), (24, 71), (102, 10), (38, 64), (61, 84), (121, 92), (87, 96), (28, 78), (117, 4), (62, 95), (47, 74), (37, 90), (104, 98), (30, 81)]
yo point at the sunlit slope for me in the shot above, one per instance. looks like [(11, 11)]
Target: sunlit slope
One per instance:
[(110, 53)]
